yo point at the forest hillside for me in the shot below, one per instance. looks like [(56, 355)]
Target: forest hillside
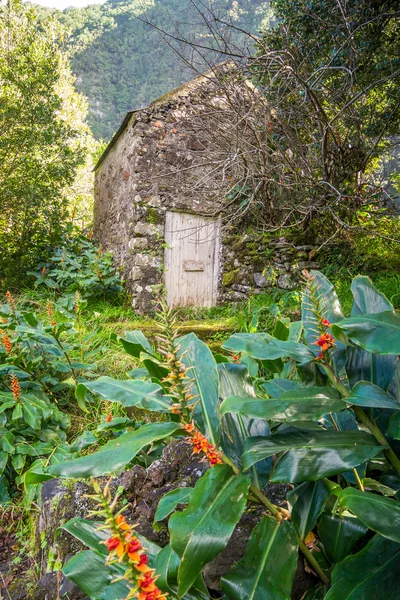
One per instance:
[(122, 63)]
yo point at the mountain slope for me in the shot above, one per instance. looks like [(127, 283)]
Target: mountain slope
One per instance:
[(122, 63)]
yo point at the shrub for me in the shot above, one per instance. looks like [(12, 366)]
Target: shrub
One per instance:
[(77, 265), (320, 412)]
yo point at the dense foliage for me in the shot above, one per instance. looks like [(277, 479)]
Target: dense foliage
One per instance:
[(78, 265), (332, 74), (123, 63), (315, 405), (42, 138)]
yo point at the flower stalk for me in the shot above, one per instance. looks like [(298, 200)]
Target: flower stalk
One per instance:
[(125, 547)]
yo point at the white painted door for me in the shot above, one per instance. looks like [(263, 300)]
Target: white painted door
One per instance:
[(191, 260)]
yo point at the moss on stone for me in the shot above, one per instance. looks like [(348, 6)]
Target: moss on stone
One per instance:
[(229, 277)]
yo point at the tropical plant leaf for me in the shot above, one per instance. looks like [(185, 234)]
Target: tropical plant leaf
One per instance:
[(115, 454), (170, 500), (90, 573), (312, 454), (130, 392), (378, 333), (276, 387), (303, 404), (267, 569), (368, 575), (379, 514), (167, 567), (365, 393), (201, 531), (308, 502), (265, 347), (362, 365), (196, 355), (339, 535), (136, 342), (235, 429)]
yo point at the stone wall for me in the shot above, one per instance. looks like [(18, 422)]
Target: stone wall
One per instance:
[(254, 263)]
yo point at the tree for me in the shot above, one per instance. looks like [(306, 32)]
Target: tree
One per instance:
[(324, 109), (43, 139)]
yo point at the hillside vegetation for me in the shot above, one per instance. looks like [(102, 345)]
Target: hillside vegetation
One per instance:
[(122, 63)]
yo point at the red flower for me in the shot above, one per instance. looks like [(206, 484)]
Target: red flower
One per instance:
[(320, 356), (109, 418), (325, 323)]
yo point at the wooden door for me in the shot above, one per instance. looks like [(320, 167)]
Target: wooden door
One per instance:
[(191, 260)]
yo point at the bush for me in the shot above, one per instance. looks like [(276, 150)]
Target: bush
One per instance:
[(321, 412), (78, 265)]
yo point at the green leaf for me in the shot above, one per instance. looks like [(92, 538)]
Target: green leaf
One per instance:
[(368, 575), (308, 502), (115, 454), (130, 392), (3, 461), (394, 426), (361, 365), (302, 404), (268, 567), (30, 413), (170, 500), (379, 514), (312, 454), (167, 567), (339, 535), (276, 387), (316, 593), (235, 429), (378, 333), (197, 357), (90, 573), (7, 441), (265, 347), (367, 299), (202, 530), (331, 311), (136, 342), (368, 394), (85, 531)]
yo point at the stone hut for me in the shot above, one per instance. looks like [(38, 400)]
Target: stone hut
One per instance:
[(161, 195)]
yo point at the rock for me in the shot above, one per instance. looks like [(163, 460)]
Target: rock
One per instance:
[(260, 280), (145, 229), (138, 243), (285, 282)]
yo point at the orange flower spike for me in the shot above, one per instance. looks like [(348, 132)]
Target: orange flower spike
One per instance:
[(11, 302), (325, 323), (109, 418), (7, 343), (15, 387), (320, 356), (189, 427)]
